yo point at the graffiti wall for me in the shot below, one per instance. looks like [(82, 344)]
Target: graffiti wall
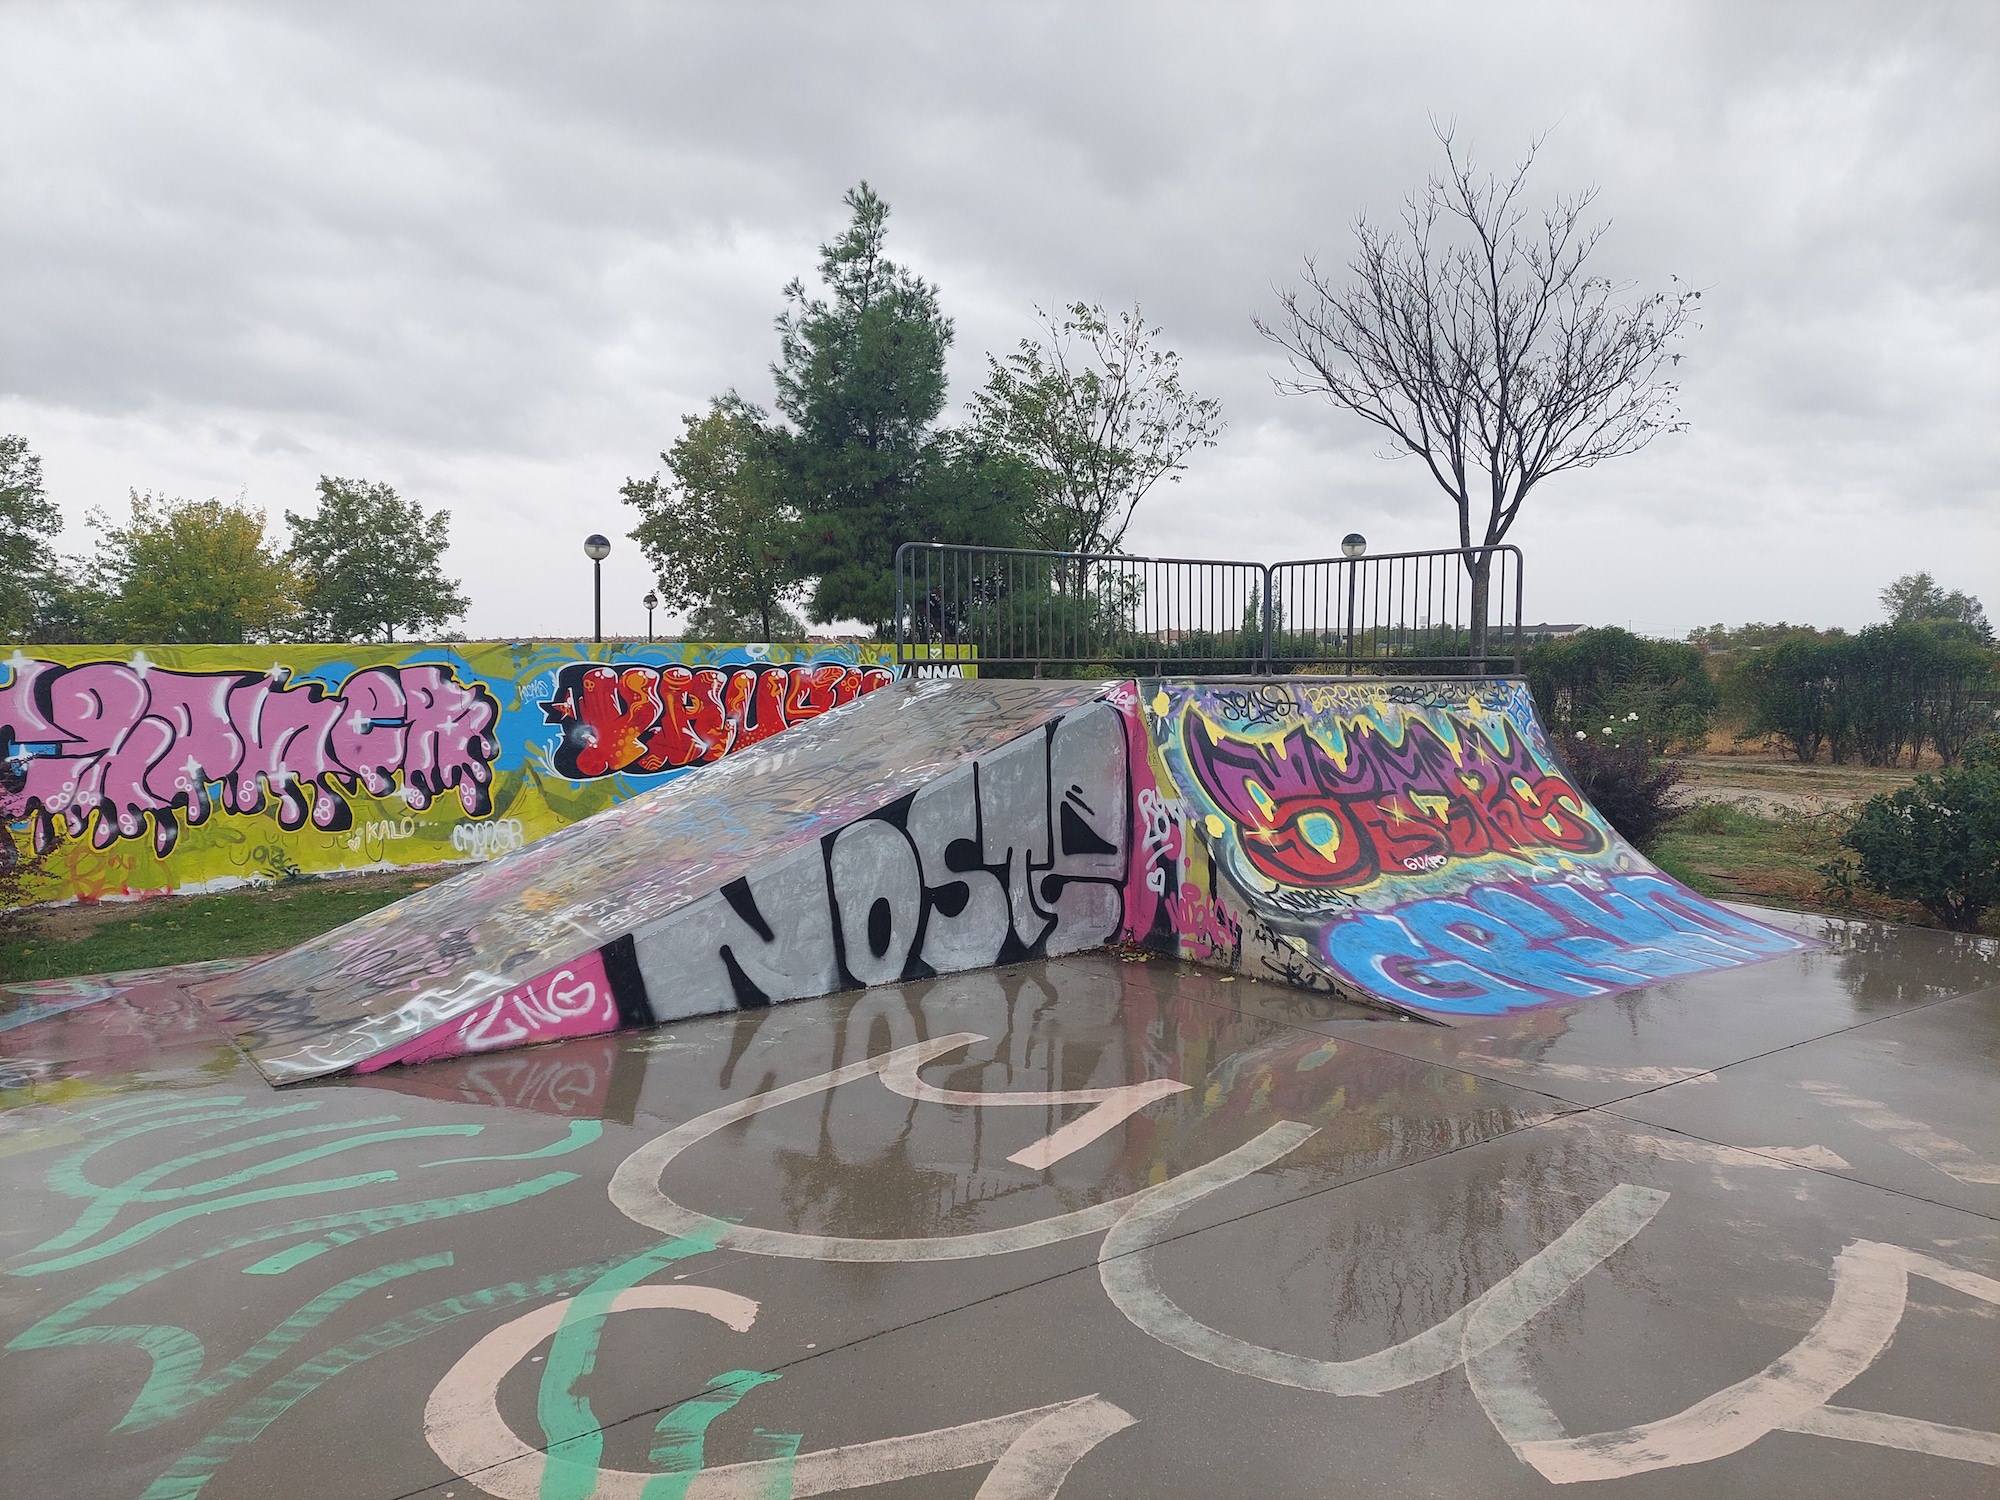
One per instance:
[(1414, 842), (140, 771)]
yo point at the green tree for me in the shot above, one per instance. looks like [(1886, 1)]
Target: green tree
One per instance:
[(1097, 416), (1917, 598), (193, 571), (860, 376), (721, 540), (369, 564), (29, 524), (1796, 691)]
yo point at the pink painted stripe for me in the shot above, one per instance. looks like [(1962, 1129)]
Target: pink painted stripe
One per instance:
[(574, 1000)]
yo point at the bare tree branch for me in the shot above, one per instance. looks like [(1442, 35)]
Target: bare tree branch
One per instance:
[(1475, 337)]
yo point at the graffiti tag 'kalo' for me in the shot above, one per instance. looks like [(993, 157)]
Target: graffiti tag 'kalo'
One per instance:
[(126, 740), (648, 719)]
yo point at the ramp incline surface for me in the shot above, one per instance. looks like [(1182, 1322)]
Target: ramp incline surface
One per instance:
[(516, 950), (1414, 845)]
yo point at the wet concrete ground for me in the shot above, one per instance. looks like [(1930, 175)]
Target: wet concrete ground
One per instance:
[(1729, 1237)]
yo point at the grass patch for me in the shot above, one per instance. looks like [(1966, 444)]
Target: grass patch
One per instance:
[(1734, 853), (102, 938)]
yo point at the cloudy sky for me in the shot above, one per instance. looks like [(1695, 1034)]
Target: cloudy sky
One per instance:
[(490, 253)]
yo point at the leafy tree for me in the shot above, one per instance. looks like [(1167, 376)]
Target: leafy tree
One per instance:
[(1795, 691), (1916, 597), (1718, 638), (721, 540), (860, 376), (1097, 416), (1937, 841), (192, 571), (1478, 339), (29, 524), (368, 564)]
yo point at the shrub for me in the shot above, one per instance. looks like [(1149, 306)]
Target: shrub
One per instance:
[(1794, 691), (1633, 788), (1937, 841), (1611, 674)]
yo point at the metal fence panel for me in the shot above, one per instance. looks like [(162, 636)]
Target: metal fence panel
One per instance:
[(1398, 611), (1028, 610), (1025, 612)]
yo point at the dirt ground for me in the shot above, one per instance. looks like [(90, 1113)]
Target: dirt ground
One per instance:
[(1764, 783)]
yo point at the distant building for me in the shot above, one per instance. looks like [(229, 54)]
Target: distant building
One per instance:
[(1546, 632)]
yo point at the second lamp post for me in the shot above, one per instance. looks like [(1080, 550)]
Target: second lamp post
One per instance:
[(597, 547)]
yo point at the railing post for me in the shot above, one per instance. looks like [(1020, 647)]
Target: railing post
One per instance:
[(902, 555), (1270, 611)]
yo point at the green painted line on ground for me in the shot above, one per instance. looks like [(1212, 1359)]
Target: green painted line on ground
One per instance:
[(191, 1472), (681, 1451), (138, 1188), (181, 1351), (145, 1229), (571, 1433), (66, 1176), (581, 1133)]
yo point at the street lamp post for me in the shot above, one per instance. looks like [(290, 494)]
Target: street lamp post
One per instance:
[(1352, 547), (652, 602), (597, 547)]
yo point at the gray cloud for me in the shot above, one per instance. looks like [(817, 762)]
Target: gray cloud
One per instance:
[(491, 253)]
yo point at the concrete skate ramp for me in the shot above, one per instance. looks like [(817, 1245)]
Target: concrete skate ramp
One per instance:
[(556, 939), (1413, 844), (1410, 844)]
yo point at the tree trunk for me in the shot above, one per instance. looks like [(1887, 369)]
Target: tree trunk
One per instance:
[(1482, 581)]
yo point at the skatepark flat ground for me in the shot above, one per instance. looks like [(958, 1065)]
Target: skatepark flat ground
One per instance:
[(1089, 1226)]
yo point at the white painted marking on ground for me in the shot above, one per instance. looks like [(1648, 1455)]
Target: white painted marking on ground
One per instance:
[(1124, 1267), (1709, 1153), (1032, 1451), (1953, 1158), (1870, 1293), (636, 1192), (1113, 1107), (1908, 1433), (462, 1420), (1589, 1073)]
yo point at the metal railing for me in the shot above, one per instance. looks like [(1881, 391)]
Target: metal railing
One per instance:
[(1399, 610), (1020, 612)]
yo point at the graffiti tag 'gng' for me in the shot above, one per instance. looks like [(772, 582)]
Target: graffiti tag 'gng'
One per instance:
[(126, 740), (575, 1000), (648, 719)]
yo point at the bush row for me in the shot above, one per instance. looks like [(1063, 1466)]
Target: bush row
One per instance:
[(1874, 696)]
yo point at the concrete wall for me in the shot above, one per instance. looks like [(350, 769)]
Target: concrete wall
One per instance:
[(146, 770)]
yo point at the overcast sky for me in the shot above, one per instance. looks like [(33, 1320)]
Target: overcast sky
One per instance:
[(490, 254)]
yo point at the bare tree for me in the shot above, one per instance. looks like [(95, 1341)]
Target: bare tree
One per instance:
[(1475, 337)]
